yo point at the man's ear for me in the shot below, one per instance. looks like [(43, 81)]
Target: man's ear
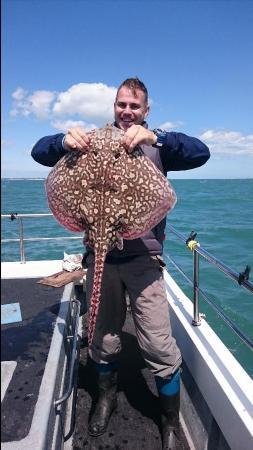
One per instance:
[(147, 111)]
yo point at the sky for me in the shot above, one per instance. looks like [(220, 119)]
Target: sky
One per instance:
[(62, 61)]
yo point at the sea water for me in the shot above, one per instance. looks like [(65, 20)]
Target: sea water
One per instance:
[(219, 211)]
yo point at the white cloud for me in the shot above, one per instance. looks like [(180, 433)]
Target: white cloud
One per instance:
[(91, 102), (19, 102), (38, 103), (65, 125), (232, 142), (169, 126), (19, 94)]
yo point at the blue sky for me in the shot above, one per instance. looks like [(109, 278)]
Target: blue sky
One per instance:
[(62, 61)]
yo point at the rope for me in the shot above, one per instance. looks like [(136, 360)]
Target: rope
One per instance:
[(192, 245)]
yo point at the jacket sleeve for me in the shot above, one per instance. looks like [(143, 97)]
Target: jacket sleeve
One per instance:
[(182, 152), (49, 150)]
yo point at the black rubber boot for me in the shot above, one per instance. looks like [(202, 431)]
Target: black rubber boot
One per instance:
[(170, 421), (107, 402)]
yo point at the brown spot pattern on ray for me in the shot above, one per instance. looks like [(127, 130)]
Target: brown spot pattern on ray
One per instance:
[(111, 195)]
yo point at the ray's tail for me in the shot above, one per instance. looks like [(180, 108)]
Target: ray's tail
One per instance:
[(96, 293)]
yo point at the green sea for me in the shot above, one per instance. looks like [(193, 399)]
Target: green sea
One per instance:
[(219, 211)]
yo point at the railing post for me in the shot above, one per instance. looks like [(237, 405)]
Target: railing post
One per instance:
[(196, 317), (21, 236)]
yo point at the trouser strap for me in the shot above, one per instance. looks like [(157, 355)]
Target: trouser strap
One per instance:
[(105, 367), (168, 386)]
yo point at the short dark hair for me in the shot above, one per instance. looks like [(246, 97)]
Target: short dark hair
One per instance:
[(133, 84)]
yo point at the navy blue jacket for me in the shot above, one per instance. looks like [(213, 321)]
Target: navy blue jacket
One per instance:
[(181, 152)]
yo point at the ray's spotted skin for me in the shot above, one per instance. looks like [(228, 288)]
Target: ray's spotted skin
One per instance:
[(111, 195)]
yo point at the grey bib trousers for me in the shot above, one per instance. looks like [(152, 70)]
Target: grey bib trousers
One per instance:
[(143, 279)]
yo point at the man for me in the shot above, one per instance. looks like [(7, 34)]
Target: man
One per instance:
[(136, 268)]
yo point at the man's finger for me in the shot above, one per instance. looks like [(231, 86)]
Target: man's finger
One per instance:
[(130, 138), (76, 139), (79, 137)]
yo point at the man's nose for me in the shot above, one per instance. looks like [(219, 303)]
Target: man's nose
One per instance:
[(127, 109)]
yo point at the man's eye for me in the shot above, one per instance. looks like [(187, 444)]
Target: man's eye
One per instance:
[(134, 106), (121, 105)]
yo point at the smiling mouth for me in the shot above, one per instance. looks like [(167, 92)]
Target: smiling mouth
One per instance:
[(127, 122)]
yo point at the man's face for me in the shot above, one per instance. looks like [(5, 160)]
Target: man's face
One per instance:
[(130, 109)]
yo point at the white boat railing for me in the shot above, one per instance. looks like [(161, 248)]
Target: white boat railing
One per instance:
[(242, 278), (22, 239)]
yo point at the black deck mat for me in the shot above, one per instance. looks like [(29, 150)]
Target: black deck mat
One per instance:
[(135, 425), (27, 343)]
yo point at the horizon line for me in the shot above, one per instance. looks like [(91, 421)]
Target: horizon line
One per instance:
[(171, 178)]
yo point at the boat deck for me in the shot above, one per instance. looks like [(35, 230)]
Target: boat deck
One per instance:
[(35, 320), (135, 424), (26, 343)]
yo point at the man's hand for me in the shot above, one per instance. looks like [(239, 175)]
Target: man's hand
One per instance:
[(137, 134), (76, 139)]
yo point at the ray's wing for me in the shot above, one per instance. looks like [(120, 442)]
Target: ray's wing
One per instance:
[(144, 196), (70, 188), (64, 184)]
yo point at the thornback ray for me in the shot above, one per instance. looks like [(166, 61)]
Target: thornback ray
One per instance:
[(109, 194)]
